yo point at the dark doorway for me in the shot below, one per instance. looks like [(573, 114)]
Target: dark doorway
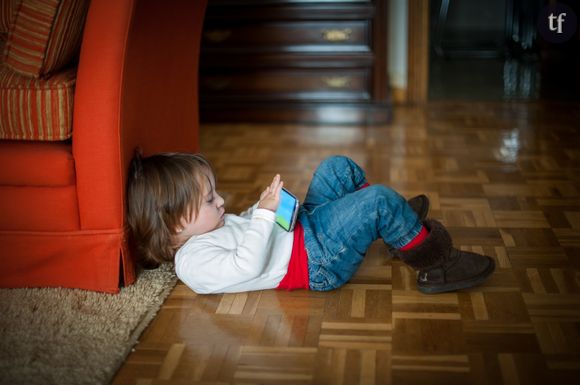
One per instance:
[(492, 51)]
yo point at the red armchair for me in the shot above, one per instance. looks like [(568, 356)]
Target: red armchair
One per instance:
[(62, 211)]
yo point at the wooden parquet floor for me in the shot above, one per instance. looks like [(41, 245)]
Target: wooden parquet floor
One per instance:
[(504, 178)]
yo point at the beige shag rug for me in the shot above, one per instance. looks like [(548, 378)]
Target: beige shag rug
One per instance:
[(70, 336)]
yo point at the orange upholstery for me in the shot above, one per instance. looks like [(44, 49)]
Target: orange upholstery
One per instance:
[(48, 208), (136, 85), (47, 164), (43, 174)]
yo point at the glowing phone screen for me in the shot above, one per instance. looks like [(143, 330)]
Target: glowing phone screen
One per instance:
[(287, 210)]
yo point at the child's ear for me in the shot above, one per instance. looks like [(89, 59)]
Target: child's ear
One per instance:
[(183, 222), (177, 241)]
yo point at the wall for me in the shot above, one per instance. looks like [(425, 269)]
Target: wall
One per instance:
[(397, 46)]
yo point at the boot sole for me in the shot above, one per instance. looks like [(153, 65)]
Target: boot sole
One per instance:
[(459, 285)]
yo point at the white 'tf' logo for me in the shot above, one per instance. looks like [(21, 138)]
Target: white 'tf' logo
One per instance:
[(560, 20)]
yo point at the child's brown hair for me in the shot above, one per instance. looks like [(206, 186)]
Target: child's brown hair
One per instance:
[(161, 190)]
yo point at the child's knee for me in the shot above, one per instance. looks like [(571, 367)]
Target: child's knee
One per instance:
[(335, 162), (341, 166), (383, 195)]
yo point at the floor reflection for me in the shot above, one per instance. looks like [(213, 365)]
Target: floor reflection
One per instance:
[(512, 78), (521, 79)]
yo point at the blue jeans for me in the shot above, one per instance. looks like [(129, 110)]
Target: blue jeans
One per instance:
[(340, 221)]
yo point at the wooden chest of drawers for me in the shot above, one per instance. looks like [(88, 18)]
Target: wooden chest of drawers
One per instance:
[(295, 60)]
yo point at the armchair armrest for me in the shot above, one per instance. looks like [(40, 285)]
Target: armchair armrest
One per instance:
[(136, 86)]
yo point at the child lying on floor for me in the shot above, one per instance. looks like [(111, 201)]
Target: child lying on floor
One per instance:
[(176, 214)]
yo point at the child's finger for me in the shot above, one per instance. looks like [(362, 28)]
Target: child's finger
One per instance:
[(275, 181)]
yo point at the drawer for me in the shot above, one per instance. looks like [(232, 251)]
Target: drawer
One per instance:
[(294, 61), (351, 84), (288, 36)]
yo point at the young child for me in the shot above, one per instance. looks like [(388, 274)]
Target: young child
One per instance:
[(176, 214)]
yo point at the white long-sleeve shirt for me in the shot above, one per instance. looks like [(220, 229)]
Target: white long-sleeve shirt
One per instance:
[(250, 252)]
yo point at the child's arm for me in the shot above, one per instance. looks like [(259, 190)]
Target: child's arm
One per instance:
[(248, 213), (212, 264)]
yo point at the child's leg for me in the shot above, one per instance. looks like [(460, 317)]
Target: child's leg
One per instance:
[(338, 234), (334, 178), (340, 223), (337, 176)]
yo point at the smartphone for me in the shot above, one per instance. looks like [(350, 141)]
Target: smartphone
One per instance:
[(287, 210)]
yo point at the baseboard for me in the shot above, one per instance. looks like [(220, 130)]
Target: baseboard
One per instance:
[(399, 95), (316, 113)]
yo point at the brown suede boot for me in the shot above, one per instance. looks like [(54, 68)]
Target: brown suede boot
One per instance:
[(420, 205), (442, 267)]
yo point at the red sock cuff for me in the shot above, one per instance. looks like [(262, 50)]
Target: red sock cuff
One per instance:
[(367, 184), (417, 240)]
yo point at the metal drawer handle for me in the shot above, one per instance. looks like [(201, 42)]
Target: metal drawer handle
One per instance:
[(337, 81), (217, 35), (336, 35)]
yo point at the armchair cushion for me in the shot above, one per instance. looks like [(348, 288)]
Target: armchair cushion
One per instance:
[(45, 36), (48, 209), (36, 109), (39, 192), (36, 164)]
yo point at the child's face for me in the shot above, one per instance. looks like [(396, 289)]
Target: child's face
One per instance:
[(210, 215)]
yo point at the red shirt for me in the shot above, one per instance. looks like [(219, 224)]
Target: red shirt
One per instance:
[(297, 275)]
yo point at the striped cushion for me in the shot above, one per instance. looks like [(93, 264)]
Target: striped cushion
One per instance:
[(36, 109), (7, 13), (45, 36)]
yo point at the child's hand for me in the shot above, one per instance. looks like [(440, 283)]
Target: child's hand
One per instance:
[(270, 197)]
